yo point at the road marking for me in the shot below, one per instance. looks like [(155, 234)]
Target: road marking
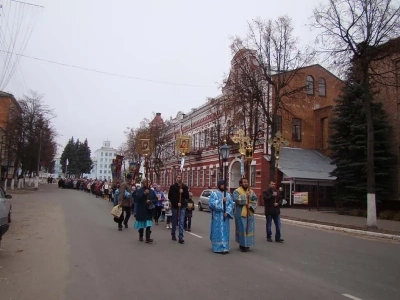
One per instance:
[(200, 237), (351, 297)]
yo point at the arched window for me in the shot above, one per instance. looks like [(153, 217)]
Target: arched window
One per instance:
[(322, 87), (310, 85)]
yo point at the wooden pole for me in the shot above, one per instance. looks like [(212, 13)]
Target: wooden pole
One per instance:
[(247, 197)]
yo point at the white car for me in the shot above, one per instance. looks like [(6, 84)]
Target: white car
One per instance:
[(5, 212), (204, 199)]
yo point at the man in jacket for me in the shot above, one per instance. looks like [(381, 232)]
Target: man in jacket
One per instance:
[(125, 200), (178, 195), (272, 201)]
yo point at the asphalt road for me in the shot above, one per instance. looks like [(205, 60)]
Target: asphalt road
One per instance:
[(312, 264)]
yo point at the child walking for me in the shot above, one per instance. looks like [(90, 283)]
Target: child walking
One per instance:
[(189, 213), (168, 212)]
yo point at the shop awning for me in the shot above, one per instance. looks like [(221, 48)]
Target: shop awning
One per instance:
[(305, 165)]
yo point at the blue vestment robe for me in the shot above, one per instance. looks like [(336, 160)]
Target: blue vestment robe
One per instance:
[(219, 234), (244, 237)]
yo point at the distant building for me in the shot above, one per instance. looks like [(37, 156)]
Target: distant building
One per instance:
[(102, 162)]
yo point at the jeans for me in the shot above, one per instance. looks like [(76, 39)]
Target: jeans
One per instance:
[(175, 221), (188, 222), (115, 200), (277, 222)]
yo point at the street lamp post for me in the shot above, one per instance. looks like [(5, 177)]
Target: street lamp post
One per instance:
[(225, 155)]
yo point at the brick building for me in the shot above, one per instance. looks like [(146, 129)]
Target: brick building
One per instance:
[(304, 122), (8, 103), (388, 92)]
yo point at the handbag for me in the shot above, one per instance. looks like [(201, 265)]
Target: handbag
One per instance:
[(117, 211)]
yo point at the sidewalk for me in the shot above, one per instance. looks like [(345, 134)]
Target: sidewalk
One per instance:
[(332, 218)]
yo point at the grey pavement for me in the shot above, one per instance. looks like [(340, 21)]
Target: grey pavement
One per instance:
[(312, 264), (333, 218)]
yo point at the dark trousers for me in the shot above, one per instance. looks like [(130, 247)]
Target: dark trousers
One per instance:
[(169, 219), (157, 213), (188, 222), (122, 219), (277, 222)]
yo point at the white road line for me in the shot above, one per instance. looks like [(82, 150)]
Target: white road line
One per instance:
[(351, 297), (200, 237)]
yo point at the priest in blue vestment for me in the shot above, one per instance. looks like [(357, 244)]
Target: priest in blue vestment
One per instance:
[(246, 203), (220, 228)]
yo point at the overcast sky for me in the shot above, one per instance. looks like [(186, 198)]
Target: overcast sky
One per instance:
[(175, 41)]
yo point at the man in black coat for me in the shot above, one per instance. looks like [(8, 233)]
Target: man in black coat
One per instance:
[(272, 200), (175, 190)]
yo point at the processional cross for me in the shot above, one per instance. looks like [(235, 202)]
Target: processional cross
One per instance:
[(278, 142), (242, 140)]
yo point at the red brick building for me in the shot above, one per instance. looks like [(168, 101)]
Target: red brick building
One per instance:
[(388, 92), (304, 122), (8, 103)]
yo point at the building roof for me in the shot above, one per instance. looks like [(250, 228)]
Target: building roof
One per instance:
[(305, 164)]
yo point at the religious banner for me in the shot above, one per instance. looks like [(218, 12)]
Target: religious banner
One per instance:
[(183, 144), (113, 170), (118, 166), (145, 145), (132, 168), (300, 198)]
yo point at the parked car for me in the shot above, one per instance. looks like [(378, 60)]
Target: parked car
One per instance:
[(5, 212), (204, 199)]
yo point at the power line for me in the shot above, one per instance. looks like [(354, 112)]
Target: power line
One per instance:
[(27, 3), (103, 72)]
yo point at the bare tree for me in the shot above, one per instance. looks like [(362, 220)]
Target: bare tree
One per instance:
[(357, 33), (266, 63), (156, 130), (30, 133), (219, 111)]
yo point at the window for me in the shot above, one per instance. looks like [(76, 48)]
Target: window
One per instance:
[(310, 85), (101, 160), (253, 175), (210, 183), (101, 153), (101, 171), (296, 130), (191, 177), (322, 87), (106, 154), (101, 166), (198, 178), (278, 122), (204, 178)]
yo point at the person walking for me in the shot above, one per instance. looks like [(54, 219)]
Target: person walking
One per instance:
[(125, 200), (189, 213), (245, 205), (178, 191), (272, 201), (220, 219), (145, 202), (168, 213)]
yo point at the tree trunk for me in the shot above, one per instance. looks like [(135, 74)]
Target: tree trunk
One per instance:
[(371, 201)]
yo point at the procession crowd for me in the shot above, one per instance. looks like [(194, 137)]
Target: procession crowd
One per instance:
[(174, 205)]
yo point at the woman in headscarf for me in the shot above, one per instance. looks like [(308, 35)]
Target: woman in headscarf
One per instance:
[(221, 206), (145, 201)]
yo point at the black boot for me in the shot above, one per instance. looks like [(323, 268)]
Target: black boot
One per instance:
[(141, 235), (148, 233)]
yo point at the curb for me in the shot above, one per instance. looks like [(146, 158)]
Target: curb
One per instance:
[(340, 229)]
